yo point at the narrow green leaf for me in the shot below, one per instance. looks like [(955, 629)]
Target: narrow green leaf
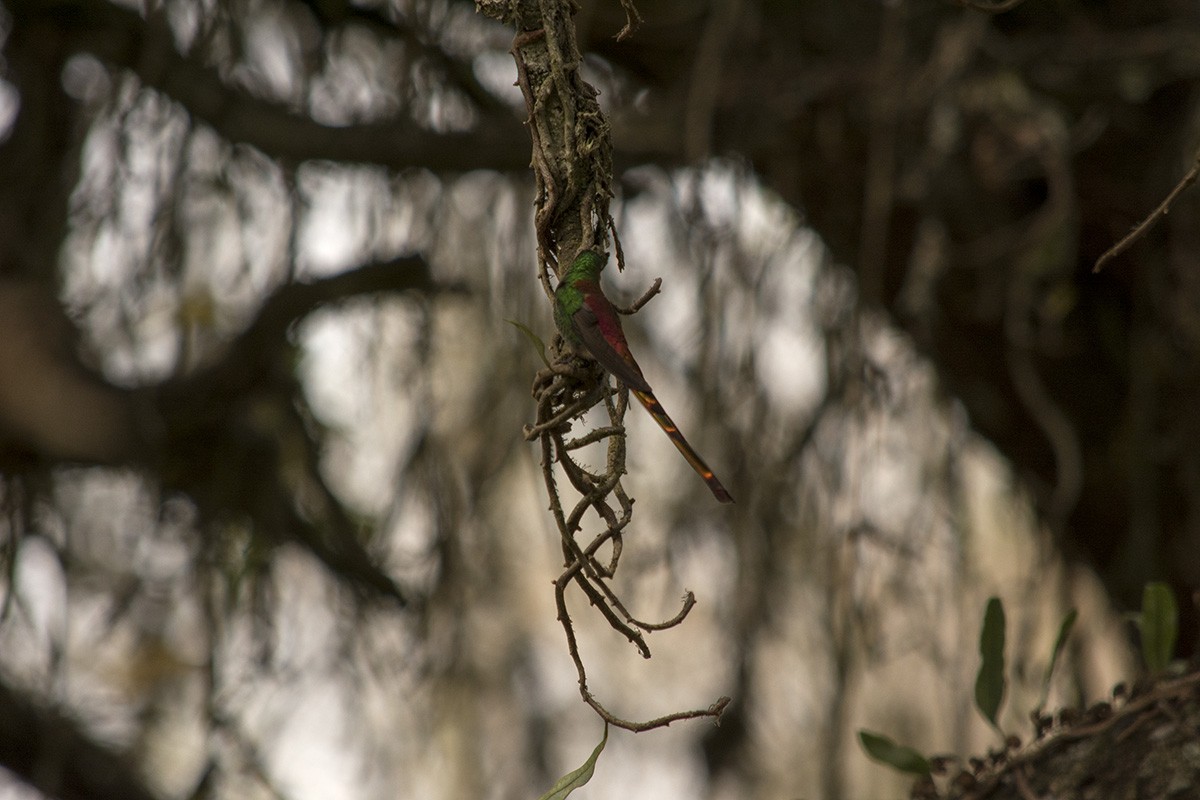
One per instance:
[(897, 756), (1160, 625), (576, 778), (990, 682), (1064, 630), (533, 338)]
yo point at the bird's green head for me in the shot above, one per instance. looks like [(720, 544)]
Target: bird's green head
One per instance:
[(586, 267)]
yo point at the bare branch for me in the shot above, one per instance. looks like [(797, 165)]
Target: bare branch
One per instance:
[(124, 39), (1149, 222), (654, 289), (202, 420)]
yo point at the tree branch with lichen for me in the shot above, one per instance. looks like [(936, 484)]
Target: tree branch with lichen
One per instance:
[(572, 167)]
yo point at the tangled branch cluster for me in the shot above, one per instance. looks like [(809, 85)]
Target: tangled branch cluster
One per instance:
[(564, 392), (572, 164)]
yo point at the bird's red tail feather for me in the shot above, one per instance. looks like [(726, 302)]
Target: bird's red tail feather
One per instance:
[(665, 422)]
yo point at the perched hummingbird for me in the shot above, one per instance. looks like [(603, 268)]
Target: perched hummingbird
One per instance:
[(591, 325)]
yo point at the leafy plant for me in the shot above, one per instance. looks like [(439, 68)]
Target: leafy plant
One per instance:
[(1159, 624), (990, 688), (1064, 630), (990, 682), (898, 756), (533, 338)]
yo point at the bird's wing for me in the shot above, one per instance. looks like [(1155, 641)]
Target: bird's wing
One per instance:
[(625, 370)]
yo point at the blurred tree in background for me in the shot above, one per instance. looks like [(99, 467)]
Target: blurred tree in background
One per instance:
[(269, 526)]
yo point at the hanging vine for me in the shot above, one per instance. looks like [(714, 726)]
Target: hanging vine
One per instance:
[(572, 167)]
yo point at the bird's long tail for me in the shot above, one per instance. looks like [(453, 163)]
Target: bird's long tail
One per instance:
[(665, 422)]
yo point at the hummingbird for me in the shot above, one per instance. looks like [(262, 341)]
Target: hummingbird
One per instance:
[(591, 325)]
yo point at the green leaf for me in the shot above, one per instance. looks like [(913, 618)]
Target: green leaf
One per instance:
[(1064, 630), (576, 778), (1160, 625), (897, 756), (533, 338), (990, 682)]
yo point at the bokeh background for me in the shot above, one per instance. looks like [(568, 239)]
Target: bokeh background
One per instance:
[(269, 525)]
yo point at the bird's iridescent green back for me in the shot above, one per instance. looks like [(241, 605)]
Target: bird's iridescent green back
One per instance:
[(569, 296)]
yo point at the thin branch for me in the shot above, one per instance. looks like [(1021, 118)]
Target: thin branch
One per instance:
[(689, 600), (633, 19), (714, 711), (654, 289), (1145, 225), (591, 437)]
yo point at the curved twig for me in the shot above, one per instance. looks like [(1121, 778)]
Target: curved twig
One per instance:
[(1149, 222)]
